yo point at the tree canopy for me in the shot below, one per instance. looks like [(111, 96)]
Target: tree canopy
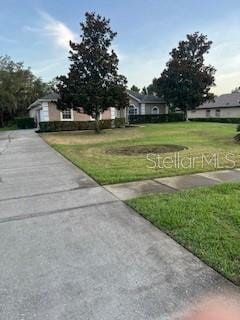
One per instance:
[(93, 83), (236, 90), (186, 81), (135, 88), (152, 88), (18, 88)]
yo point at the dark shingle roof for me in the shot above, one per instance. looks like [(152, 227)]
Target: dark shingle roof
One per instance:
[(145, 98), (223, 101), (48, 97)]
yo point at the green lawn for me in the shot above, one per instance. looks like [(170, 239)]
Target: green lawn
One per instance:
[(91, 152), (12, 127), (204, 220)]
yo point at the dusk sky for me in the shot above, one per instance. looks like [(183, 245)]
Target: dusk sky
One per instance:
[(38, 31)]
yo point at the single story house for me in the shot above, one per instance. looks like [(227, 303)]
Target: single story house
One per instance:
[(45, 109), (224, 106)]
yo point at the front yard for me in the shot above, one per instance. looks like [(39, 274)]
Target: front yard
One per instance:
[(106, 158), (206, 221)]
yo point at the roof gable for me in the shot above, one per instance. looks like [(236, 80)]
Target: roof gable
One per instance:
[(148, 98), (223, 101), (48, 97)]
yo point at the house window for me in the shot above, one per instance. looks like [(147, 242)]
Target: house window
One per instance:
[(208, 113), (218, 113), (67, 115), (155, 110), (133, 110)]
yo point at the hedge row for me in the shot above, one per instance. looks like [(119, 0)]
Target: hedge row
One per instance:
[(156, 118), (222, 120), (51, 126), (25, 123)]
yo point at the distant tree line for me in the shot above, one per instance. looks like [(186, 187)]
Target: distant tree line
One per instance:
[(18, 89)]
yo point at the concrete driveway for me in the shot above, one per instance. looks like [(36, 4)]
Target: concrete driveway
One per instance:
[(70, 250)]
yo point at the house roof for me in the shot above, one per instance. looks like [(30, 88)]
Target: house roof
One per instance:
[(48, 97), (224, 101), (145, 98), (138, 96)]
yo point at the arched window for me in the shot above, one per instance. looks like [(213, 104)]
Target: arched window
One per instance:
[(133, 110), (155, 110)]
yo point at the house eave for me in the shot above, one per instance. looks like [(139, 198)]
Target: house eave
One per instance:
[(39, 101), (134, 98)]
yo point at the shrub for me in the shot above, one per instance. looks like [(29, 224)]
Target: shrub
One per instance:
[(237, 137), (176, 116), (120, 122), (51, 126), (156, 118), (221, 120), (25, 123)]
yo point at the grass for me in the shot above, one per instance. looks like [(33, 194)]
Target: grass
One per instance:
[(91, 152), (9, 128), (206, 221)]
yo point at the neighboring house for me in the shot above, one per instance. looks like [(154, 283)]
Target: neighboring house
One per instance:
[(224, 106), (140, 104), (45, 109)]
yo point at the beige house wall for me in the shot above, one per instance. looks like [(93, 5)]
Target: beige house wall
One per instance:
[(55, 114), (229, 112), (106, 115)]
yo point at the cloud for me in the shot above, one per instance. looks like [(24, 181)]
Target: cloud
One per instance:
[(5, 39), (53, 29), (225, 53), (46, 65)]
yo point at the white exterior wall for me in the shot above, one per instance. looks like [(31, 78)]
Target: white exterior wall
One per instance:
[(143, 108), (229, 112), (40, 112), (44, 114), (113, 113), (32, 113)]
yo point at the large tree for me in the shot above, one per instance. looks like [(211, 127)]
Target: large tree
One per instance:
[(236, 90), (152, 88), (186, 81), (18, 88), (93, 83), (135, 88)]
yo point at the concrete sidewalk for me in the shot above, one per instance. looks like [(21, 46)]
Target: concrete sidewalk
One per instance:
[(125, 191), (70, 250)]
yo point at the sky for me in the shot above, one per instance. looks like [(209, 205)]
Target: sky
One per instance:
[(37, 32)]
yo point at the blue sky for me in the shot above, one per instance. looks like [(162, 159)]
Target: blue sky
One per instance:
[(37, 32)]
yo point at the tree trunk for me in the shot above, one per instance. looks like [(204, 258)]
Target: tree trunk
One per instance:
[(1, 119), (97, 123), (186, 114)]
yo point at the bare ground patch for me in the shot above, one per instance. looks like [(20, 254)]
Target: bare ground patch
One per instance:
[(145, 149)]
